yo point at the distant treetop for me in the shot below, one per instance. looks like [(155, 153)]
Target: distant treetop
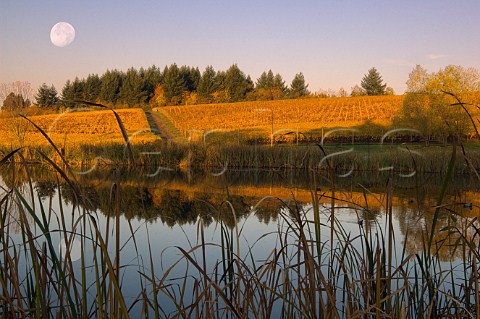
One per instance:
[(372, 83)]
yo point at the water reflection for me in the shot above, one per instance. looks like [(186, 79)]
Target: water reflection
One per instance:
[(181, 198)]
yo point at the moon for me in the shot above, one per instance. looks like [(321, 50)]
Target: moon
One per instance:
[(75, 249), (62, 34)]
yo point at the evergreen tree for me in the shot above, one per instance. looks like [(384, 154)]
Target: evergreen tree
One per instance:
[(220, 95), (265, 81), (270, 87), (78, 89), (298, 88), (279, 83), (261, 81), (237, 84), (92, 87), (206, 84), (68, 94), (220, 80), (151, 79), (111, 83), (173, 85), (131, 91), (46, 96), (279, 89), (191, 77), (73, 91), (372, 83)]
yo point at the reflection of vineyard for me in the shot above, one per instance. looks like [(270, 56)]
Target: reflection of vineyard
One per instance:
[(179, 200), (183, 204), (304, 114)]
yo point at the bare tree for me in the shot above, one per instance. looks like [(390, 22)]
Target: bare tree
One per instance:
[(18, 127), (22, 88)]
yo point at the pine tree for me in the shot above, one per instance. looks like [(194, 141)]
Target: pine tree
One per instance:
[(237, 84), (298, 88), (220, 95), (151, 79), (92, 87), (46, 96), (194, 78), (111, 83), (372, 83), (173, 84), (206, 84), (78, 87), (279, 89), (265, 81), (131, 91), (68, 94)]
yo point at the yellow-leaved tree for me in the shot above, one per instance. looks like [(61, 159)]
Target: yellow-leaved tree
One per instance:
[(158, 98), (429, 109)]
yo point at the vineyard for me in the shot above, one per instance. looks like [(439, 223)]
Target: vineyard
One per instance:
[(302, 114), (85, 127)]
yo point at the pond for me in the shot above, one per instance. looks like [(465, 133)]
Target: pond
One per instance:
[(253, 243)]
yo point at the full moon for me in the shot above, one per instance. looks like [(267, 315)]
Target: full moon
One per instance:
[(62, 34)]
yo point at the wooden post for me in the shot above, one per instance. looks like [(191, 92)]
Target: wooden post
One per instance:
[(271, 136)]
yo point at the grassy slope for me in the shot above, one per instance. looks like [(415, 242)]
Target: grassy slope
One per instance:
[(88, 128), (308, 116)]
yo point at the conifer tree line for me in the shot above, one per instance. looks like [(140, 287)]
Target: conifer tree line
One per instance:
[(180, 86)]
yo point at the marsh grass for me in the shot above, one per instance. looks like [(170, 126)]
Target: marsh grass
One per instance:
[(318, 268)]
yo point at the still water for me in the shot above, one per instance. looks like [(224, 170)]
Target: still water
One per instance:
[(153, 216)]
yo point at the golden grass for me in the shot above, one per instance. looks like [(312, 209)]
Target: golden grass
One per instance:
[(302, 114), (86, 127)]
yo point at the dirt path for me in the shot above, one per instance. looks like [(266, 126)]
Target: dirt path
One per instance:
[(158, 125)]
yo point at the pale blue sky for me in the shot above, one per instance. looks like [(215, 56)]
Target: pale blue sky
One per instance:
[(333, 43)]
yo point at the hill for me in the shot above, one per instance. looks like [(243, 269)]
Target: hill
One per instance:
[(262, 117), (75, 128)]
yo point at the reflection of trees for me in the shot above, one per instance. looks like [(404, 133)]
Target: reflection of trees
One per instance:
[(11, 203), (370, 216), (170, 206), (176, 208), (173, 198), (265, 215), (45, 189), (415, 224)]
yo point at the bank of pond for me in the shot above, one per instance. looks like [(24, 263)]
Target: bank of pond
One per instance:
[(404, 158)]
